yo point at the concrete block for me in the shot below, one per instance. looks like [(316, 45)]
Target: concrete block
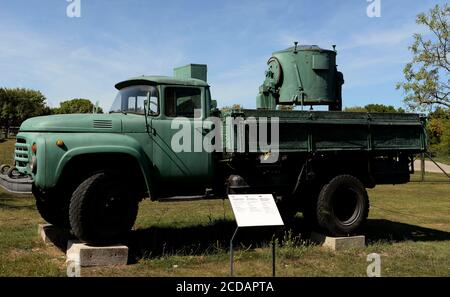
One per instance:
[(87, 255), (54, 235), (339, 243)]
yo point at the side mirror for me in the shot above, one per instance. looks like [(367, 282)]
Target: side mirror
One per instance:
[(213, 104), (215, 113)]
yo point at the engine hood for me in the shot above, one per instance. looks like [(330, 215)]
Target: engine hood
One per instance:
[(74, 123)]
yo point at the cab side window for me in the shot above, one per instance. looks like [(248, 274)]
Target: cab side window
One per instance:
[(182, 102)]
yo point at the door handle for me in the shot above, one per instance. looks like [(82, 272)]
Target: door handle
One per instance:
[(151, 130)]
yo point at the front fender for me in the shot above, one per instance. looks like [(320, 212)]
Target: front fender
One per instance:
[(79, 144)]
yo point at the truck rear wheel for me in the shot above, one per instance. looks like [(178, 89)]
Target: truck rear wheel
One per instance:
[(103, 208), (53, 207), (342, 206)]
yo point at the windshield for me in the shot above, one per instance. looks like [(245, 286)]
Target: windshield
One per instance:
[(131, 100)]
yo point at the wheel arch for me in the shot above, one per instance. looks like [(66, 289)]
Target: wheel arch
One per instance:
[(88, 160)]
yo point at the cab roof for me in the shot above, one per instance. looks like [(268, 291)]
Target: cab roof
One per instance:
[(160, 80)]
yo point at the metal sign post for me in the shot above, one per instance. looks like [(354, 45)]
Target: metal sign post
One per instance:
[(273, 255), (254, 210), (232, 252)]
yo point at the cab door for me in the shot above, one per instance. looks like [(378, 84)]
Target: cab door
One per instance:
[(183, 165)]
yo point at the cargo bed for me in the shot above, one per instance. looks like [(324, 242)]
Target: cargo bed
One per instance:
[(321, 131)]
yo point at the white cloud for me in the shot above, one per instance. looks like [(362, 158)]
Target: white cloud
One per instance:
[(386, 37)]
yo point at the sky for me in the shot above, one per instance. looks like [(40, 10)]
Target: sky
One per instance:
[(84, 57)]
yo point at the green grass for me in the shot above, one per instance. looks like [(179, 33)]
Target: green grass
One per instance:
[(442, 159), (409, 226), (6, 150), (21, 252), (430, 177)]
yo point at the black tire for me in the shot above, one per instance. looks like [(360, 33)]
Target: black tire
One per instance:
[(53, 207), (342, 206), (103, 208)]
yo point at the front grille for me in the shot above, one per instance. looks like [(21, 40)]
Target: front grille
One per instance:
[(21, 153)]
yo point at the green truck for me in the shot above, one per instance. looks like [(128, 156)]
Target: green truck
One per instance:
[(88, 172)]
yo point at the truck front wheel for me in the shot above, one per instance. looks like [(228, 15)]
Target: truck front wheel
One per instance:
[(53, 206), (342, 206), (103, 208)]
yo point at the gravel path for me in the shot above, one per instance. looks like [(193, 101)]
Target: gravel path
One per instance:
[(431, 167)]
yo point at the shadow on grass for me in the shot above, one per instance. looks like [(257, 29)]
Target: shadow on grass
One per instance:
[(193, 240), (214, 238), (389, 231), (206, 239)]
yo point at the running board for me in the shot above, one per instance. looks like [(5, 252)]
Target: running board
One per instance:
[(182, 198), (188, 198)]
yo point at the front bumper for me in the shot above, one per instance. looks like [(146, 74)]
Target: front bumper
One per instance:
[(13, 181)]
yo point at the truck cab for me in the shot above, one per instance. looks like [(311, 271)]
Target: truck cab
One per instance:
[(172, 105), (126, 155)]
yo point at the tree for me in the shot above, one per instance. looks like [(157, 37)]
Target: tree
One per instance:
[(427, 83), (230, 108), (444, 146), (355, 109), (18, 104), (286, 107), (438, 130), (382, 108), (374, 108), (77, 105)]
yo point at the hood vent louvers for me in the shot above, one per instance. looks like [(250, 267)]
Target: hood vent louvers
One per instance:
[(104, 124)]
